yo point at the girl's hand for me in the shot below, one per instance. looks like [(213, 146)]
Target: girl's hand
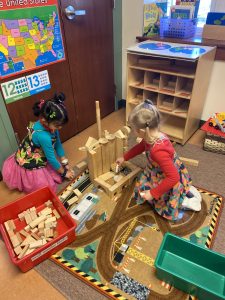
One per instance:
[(146, 195), (69, 174), (120, 160), (64, 161)]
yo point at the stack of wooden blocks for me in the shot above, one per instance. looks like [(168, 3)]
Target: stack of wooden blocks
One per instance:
[(40, 228)]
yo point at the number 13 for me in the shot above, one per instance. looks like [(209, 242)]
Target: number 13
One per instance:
[(34, 81)]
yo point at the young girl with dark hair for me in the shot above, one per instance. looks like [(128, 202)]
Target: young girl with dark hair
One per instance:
[(165, 182), (35, 163)]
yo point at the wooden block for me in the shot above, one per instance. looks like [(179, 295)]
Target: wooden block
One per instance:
[(24, 233), (69, 188), (72, 200), (35, 236), (22, 254), (18, 250), (33, 215), (10, 233), (119, 147), (37, 221), (35, 244), (50, 220), (49, 225), (90, 142), (112, 148), (46, 211), (48, 203), (77, 193), (29, 251), (34, 230), (119, 134), (21, 216), (98, 158), (28, 218), (65, 195), (41, 225), (9, 225), (105, 156), (98, 119), (14, 240), (102, 183), (56, 214), (27, 228), (106, 133), (107, 176), (19, 237), (29, 239), (82, 165), (191, 162), (48, 232), (92, 164)]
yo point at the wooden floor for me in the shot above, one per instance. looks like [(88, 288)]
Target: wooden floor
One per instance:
[(30, 285)]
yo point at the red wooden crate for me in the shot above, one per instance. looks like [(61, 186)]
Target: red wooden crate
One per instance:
[(65, 227)]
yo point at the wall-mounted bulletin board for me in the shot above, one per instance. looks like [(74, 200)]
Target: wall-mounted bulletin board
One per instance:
[(30, 35)]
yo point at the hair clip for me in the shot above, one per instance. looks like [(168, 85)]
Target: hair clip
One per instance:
[(147, 101), (42, 101), (148, 104), (52, 115)]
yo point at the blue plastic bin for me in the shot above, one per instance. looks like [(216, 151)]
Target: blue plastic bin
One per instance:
[(177, 28), (191, 268)]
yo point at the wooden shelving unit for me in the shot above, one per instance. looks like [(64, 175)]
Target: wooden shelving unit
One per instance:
[(177, 86)]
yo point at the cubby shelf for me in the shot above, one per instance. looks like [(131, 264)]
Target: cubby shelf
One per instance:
[(176, 86)]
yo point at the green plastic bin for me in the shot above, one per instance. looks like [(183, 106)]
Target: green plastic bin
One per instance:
[(191, 268)]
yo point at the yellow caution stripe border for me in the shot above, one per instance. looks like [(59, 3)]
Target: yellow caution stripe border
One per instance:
[(84, 276), (215, 217)]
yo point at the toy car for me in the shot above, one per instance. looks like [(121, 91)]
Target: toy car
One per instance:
[(218, 121)]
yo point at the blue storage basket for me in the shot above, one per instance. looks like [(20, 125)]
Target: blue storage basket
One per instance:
[(177, 28)]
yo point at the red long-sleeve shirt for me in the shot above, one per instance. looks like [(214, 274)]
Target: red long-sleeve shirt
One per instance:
[(162, 153)]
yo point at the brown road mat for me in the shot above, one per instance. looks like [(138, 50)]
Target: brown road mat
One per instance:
[(117, 242)]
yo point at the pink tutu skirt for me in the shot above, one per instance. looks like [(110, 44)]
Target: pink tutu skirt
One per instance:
[(26, 180)]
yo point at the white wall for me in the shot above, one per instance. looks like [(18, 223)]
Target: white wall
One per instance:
[(218, 5), (215, 100)]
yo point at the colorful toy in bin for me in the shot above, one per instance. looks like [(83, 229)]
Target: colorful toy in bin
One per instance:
[(191, 268), (218, 121), (20, 228)]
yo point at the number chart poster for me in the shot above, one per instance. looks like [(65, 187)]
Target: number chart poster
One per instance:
[(30, 35), (25, 86)]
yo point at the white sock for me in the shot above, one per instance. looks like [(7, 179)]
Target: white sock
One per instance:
[(195, 192), (192, 203)]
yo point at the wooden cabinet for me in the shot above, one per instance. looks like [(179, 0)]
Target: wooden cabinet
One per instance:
[(176, 85)]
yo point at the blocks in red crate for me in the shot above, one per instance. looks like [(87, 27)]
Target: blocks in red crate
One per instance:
[(65, 227)]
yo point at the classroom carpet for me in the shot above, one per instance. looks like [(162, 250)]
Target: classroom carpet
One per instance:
[(115, 249)]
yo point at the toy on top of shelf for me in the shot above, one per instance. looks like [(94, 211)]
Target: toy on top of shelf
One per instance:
[(218, 121)]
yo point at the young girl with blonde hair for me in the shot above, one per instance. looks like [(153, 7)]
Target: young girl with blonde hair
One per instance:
[(165, 182)]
